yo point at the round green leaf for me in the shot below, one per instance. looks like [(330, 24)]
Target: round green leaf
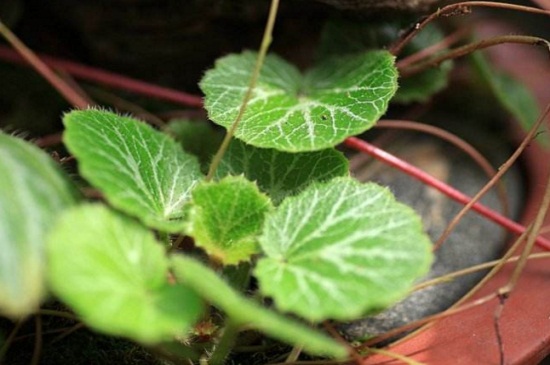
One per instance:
[(226, 218), (33, 192), (340, 97), (113, 273), (341, 249), (141, 171), (280, 174), (347, 36)]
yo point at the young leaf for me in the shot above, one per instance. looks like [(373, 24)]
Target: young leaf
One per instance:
[(280, 174), (344, 37), (33, 192), (196, 138), (512, 95), (340, 97), (248, 313), (140, 171), (113, 273), (341, 249), (226, 218)]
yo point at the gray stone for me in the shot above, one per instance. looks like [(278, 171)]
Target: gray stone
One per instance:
[(475, 239)]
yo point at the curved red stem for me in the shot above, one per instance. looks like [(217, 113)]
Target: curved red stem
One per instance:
[(112, 79), (451, 192), (148, 89)]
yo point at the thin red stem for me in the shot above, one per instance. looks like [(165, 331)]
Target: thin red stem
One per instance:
[(456, 9), (27, 56), (144, 88), (467, 148), (433, 49), (111, 79), (451, 192)]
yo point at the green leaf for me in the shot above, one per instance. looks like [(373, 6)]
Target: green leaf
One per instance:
[(197, 138), (340, 97), (344, 37), (280, 174), (113, 273), (140, 171), (226, 218), (512, 95), (33, 192), (341, 249), (248, 313)]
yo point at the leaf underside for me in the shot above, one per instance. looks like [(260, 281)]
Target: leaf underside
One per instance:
[(341, 249)]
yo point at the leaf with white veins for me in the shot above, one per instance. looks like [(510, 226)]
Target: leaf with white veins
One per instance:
[(114, 274), (33, 192), (141, 171), (341, 97), (341, 249), (247, 312), (349, 36), (280, 174), (226, 218)]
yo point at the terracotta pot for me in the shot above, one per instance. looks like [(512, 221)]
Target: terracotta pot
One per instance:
[(470, 337)]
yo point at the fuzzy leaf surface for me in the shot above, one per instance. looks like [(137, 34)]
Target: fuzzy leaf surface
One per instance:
[(226, 218), (248, 313), (114, 274), (33, 192), (197, 138), (280, 174), (141, 171), (341, 249), (288, 111), (343, 37)]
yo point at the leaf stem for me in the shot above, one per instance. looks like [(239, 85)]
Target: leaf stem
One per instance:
[(447, 42), (56, 313), (294, 354), (486, 265), (458, 9), (57, 82), (37, 352), (7, 343), (501, 171), (412, 325), (394, 355), (67, 332), (452, 193), (500, 264), (531, 238), (225, 343), (242, 310), (266, 41), (111, 79), (458, 142), (469, 48)]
